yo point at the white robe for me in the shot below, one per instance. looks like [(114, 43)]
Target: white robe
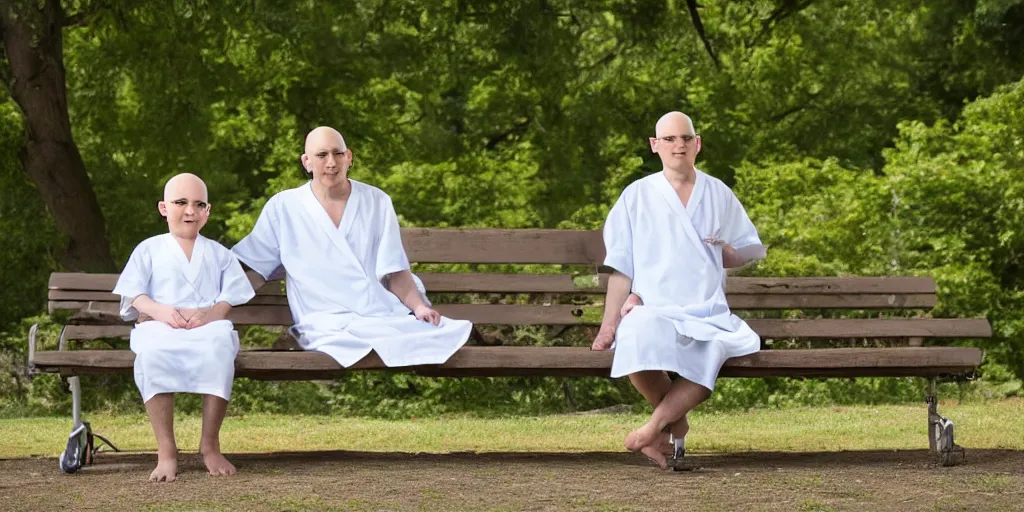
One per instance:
[(333, 278), (169, 360), (685, 325)]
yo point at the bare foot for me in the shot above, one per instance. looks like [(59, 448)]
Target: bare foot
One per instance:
[(654, 453), (166, 470), (649, 441), (217, 465), (646, 435)]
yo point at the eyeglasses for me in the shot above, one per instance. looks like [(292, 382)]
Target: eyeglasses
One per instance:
[(671, 139)]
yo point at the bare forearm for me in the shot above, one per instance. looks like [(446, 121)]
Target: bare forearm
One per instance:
[(146, 306), (619, 286), (401, 284), (730, 258), (219, 311)]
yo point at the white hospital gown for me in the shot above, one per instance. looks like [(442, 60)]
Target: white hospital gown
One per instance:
[(333, 278), (169, 360), (684, 325)]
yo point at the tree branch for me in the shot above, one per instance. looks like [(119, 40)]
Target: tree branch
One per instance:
[(518, 129), (786, 9), (75, 19), (691, 5)]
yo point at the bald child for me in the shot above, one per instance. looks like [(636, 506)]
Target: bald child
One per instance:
[(179, 287)]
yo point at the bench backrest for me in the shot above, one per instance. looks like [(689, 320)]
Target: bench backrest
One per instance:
[(582, 249)]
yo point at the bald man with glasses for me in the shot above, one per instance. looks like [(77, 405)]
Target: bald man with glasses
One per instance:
[(669, 238)]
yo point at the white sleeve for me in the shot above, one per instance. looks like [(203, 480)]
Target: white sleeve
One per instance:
[(261, 249), (134, 281), (618, 238), (235, 287), (738, 231), (391, 255)]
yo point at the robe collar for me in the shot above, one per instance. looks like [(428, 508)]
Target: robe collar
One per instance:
[(699, 187), (685, 214), (319, 217), (191, 268)]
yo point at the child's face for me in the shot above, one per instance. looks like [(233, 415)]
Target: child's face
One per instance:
[(185, 206)]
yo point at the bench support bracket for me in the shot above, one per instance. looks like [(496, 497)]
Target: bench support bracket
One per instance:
[(30, 368), (940, 431), (75, 385)]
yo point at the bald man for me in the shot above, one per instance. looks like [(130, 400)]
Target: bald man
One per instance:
[(179, 287), (669, 238), (349, 286)]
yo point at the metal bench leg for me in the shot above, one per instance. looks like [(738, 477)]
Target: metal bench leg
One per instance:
[(940, 432), (30, 368), (76, 406), (76, 401), (73, 384), (676, 462)]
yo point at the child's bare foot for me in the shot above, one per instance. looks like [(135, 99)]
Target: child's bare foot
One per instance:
[(166, 470), (217, 464)]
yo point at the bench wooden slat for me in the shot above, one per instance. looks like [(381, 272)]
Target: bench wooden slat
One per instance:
[(67, 286), (847, 328), (61, 300), (830, 285), (847, 301), (767, 329), (500, 361), (551, 246)]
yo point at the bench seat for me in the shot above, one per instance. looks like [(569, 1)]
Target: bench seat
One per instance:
[(559, 361)]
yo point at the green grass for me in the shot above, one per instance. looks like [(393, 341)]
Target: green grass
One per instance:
[(995, 424)]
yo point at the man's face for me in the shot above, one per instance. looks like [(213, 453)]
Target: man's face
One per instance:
[(328, 159), (676, 144), (185, 206)]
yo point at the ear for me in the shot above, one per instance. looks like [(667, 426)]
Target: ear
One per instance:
[(700, 144), (653, 141), (162, 206), (304, 160), (209, 207)]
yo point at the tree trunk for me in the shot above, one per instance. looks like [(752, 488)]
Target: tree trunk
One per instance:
[(33, 45)]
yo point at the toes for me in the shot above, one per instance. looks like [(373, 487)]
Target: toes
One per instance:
[(655, 455)]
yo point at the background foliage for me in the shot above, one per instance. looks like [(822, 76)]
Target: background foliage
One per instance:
[(864, 138)]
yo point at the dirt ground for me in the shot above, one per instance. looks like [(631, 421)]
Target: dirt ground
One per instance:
[(876, 481)]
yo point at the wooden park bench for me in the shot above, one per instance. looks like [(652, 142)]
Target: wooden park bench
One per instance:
[(887, 339)]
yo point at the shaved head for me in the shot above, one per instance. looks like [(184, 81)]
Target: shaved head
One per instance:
[(327, 159), (186, 205), (185, 185), (324, 137), (676, 143), (673, 123)]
